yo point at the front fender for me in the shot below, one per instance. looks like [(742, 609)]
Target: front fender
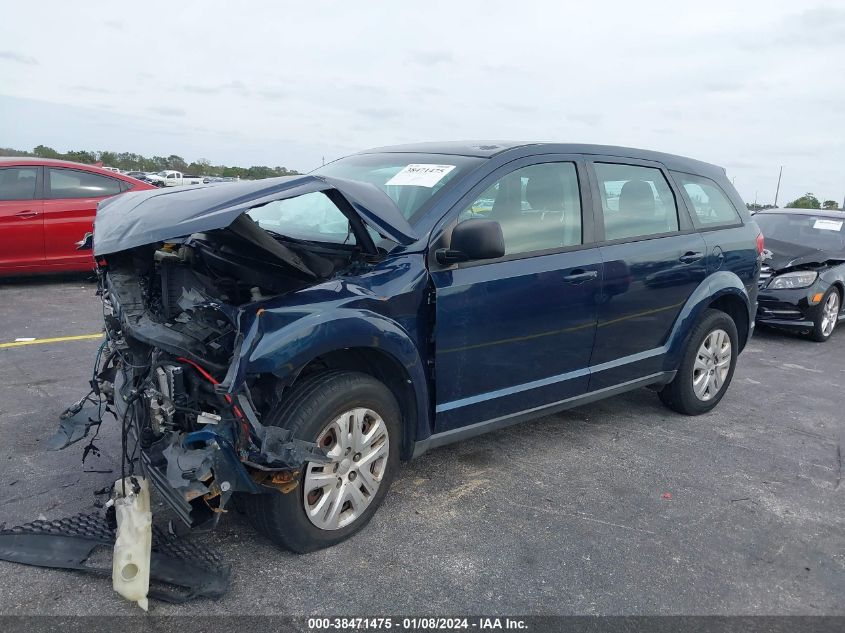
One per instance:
[(717, 285), (276, 344)]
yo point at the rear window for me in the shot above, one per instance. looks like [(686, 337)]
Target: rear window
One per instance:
[(816, 231), (712, 207), (18, 183), (75, 183)]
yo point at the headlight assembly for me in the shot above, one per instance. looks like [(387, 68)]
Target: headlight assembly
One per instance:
[(797, 279)]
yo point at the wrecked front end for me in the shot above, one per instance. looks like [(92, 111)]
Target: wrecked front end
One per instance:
[(792, 288), (172, 331), (183, 277)]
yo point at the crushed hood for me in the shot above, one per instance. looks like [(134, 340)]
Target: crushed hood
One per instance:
[(145, 217), (780, 255)]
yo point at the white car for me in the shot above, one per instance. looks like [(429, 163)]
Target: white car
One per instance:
[(171, 178)]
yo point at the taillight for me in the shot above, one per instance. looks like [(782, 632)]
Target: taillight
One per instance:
[(760, 244)]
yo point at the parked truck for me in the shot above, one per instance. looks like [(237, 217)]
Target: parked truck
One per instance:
[(171, 178)]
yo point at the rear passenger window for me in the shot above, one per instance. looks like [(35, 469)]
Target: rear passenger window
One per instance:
[(18, 183), (712, 207), (538, 207), (636, 201), (73, 183)]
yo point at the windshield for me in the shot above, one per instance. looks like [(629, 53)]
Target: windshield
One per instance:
[(815, 231), (413, 182), (312, 216)]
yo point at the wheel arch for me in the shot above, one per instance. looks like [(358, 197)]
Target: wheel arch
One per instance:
[(737, 309), (357, 340), (384, 368), (723, 291)]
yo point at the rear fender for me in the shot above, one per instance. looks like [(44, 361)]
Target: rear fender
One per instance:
[(717, 285)]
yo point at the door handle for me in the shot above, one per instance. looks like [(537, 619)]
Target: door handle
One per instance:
[(26, 214), (579, 276), (690, 257)]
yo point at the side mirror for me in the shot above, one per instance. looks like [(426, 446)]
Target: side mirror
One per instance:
[(473, 239)]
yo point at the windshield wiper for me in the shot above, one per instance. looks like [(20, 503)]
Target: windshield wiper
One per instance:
[(311, 243), (273, 233)]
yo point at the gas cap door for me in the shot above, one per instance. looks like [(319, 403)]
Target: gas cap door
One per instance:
[(717, 259)]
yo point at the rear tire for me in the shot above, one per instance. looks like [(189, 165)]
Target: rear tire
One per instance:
[(828, 316), (707, 366), (317, 409)]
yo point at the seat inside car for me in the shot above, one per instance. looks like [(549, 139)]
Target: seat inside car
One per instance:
[(637, 214), (544, 192), (540, 226)]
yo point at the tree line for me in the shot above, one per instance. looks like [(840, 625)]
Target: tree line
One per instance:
[(129, 161), (807, 201)]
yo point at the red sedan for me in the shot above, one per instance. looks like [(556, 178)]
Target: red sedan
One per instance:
[(47, 207)]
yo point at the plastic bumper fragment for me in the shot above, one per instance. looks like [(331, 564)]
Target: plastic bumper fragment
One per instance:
[(73, 426), (180, 569)]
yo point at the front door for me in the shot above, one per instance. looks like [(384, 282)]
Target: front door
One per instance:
[(516, 333), (21, 220)]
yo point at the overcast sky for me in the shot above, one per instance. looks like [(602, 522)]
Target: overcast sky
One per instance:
[(746, 85)]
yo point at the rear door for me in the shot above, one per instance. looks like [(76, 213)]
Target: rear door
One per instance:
[(515, 333), (731, 243), (69, 209), (21, 219), (653, 261)]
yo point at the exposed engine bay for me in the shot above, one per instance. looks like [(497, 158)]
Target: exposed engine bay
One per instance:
[(180, 272), (188, 279), (172, 313)]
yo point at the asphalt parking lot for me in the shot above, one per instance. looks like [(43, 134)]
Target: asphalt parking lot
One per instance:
[(622, 507)]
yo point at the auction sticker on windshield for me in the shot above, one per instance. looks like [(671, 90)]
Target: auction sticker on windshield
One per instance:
[(420, 175), (828, 225)]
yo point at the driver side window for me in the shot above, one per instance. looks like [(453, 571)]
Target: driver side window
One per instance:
[(538, 208)]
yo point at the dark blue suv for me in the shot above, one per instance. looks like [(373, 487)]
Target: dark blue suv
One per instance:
[(289, 341)]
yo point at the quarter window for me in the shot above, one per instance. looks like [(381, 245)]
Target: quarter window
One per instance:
[(18, 183), (712, 207), (538, 207), (74, 183), (636, 201)]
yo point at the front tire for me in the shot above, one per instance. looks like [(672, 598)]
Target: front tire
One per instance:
[(356, 419), (828, 316), (707, 366)]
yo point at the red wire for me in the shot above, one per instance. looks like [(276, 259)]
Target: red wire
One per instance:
[(214, 381), (205, 374)]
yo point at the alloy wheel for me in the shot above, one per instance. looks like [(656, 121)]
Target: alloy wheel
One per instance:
[(830, 313), (712, 364), (337, 493)]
